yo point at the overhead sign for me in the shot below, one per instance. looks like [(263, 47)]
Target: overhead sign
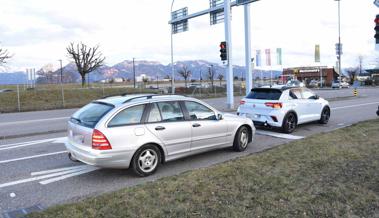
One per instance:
[(182, 25), (376, 2), (242, 2)]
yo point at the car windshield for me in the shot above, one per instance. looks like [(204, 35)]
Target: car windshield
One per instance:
[(90, 114), (264, 94)]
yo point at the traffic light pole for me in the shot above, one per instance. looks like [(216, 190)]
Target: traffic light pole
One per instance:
[(229, 66), (249, 76)]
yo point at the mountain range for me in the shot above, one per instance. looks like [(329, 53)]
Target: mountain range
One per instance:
[(124, 70)]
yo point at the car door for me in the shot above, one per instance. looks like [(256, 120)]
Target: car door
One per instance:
[(166, 121), (313, 105), (207, 131), (298, 104)]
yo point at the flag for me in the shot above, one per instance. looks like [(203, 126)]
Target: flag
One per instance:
[(268, 57), (317, 53), (279, 56), (258, 58)]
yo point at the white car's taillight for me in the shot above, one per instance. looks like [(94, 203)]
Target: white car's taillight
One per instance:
[(276, 105), (99, 141), (242, 102)]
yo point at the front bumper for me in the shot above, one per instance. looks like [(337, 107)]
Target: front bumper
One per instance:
[(105, 159)]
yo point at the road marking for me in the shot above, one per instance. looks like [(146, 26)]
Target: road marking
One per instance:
[(55, 170), (33, 121), (355, 105), (279, 135), (74, 171), (48, 181), (31, 157), (24, 144)]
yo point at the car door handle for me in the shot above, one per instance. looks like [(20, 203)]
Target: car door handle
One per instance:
[(196, 125), (159, 128)]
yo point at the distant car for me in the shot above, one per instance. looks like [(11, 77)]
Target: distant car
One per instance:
[(295, 83), (337, 84), (5, 90), (284, 108), (313, 84), (143, 131)]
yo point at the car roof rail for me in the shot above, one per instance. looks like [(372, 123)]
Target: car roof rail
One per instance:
[(109, 96), (148, 96)]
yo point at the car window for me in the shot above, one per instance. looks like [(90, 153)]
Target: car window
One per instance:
[(198, 111), (307, 94), (131, 115), (295, 93), (264, 94), (154, 114), (171, 111), (90, 114)]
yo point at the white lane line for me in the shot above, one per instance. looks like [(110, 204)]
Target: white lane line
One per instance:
[(33, 121), (37, 178), (56, 170), (31, 157), (48, 181), (24, 144), (279, 135), (355, 105)]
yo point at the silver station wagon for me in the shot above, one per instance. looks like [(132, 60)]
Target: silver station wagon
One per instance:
[(143, 131)]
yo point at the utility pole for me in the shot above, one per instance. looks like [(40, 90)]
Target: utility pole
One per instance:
[(134, 75), (60, 60)]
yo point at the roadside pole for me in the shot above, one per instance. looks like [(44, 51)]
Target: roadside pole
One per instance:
[(249, 80), (229, 66), (18, 99)]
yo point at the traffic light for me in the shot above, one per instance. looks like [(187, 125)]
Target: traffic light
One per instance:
[(223, 51), (377, 29)]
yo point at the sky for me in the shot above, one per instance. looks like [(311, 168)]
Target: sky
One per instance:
[(37, 32)]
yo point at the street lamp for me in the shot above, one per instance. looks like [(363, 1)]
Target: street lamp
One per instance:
[(134, 75), (339, 40), (172, 56)]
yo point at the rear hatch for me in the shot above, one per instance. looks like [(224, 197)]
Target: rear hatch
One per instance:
[(258, 100), (82, 123)]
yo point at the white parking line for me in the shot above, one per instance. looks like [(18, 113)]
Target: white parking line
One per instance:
[(33, 121), (355, 105), (56, 170), (47, 176), (24, 144), (86, 170), (279, 135), (31, 157)]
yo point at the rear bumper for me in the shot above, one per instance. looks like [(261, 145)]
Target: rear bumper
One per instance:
[(273, 119), (105, 159)]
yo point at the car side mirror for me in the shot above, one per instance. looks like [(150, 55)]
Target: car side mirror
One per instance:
[(219, 117)]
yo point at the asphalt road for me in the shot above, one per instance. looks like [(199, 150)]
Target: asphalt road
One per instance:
[(35, 170)]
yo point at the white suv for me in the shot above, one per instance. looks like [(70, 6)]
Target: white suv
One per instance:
[(284, 107)]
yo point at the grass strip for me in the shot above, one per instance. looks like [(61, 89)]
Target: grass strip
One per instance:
[(333, 174)]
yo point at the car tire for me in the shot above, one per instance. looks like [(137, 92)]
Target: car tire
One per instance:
[(289, 123), (146, 160), (325, 115), (241, 139)]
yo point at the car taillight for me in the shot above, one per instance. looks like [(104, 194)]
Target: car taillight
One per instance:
[(99, 141), (242, 102), (274, 104)]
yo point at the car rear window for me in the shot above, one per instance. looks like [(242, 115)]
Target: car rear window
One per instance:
[(90, 114), (264, 94)]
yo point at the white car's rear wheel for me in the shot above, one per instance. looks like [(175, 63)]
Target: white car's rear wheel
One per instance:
[(289, 123)]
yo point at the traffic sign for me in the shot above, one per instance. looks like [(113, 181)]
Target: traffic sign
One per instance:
[(376, 2), (355, 92), (242, 2)]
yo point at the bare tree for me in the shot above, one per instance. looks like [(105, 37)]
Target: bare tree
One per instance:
[(4, 55), (352, 72), (185, 73), (87, 59), (220, 77), (211, 75)]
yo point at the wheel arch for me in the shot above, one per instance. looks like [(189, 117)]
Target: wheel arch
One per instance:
[(294, 112), (160, 148)]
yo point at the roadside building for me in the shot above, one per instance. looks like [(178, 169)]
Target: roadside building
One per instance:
[(307, 74)]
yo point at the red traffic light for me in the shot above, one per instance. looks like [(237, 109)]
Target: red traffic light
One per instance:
[(223, 45)]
